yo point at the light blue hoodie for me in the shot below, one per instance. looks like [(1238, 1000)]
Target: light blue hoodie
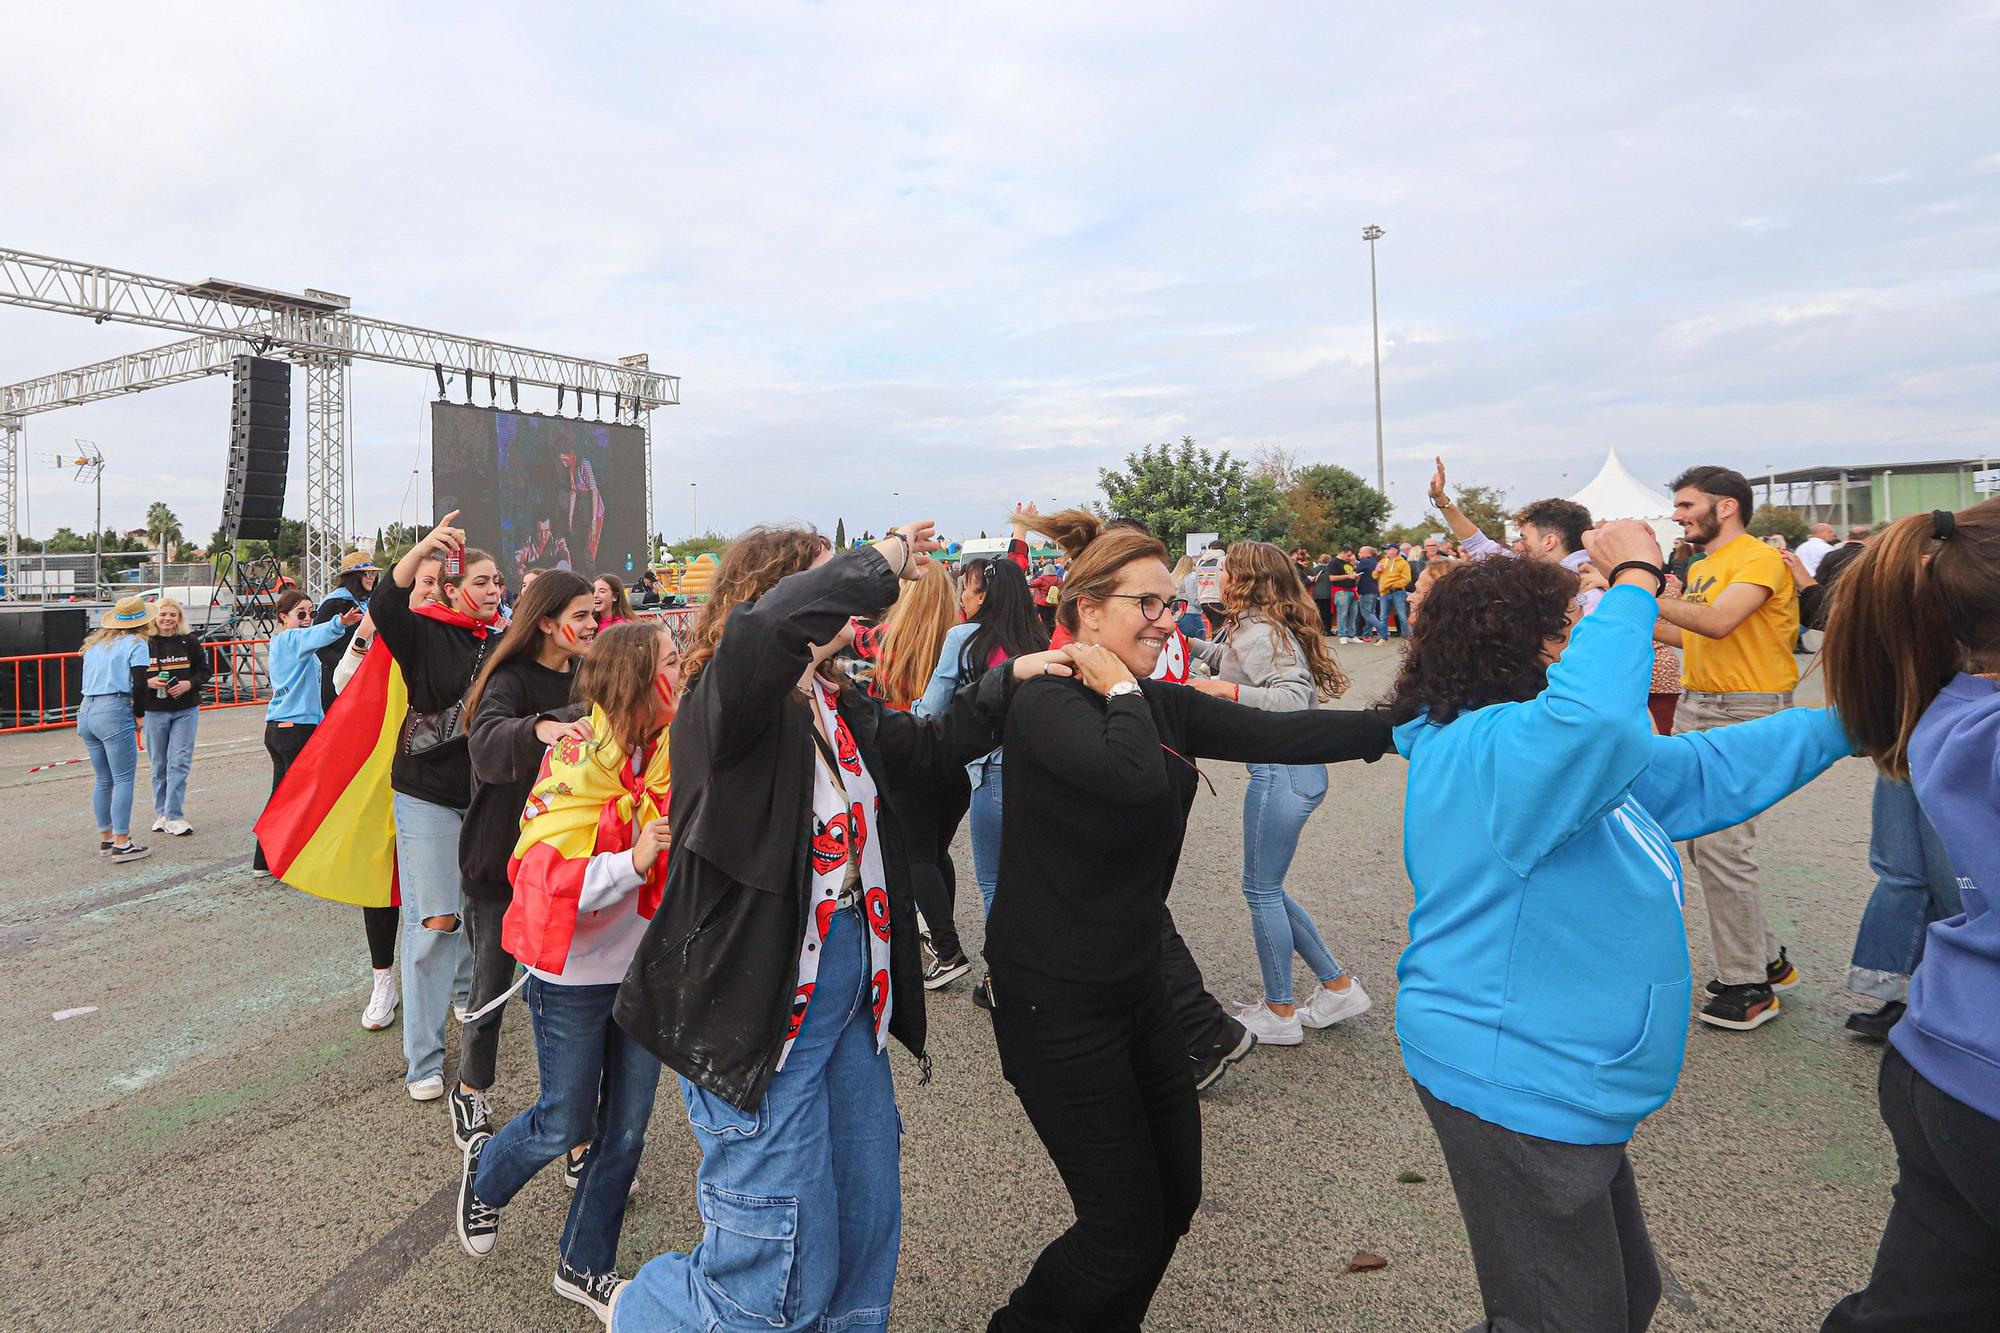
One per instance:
[(1546, 984)]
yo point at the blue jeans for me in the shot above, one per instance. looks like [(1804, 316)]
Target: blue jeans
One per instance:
[(1367, 609), (986, 828), (1193, 624), (111, 738), (597, 1088), (437, 965), (1275, 809), (1914, 886), (170, 743), (801, 1200), (1343, 613), (1397, 603)]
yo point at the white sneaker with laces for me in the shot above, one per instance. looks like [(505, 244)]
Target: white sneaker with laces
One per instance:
[(1268, 1028), (178, 828), (382, 1001), (426, 1089), (1328, 1007), (160, 824)]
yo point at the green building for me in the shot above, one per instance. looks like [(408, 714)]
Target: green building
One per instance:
[(1871, 493)]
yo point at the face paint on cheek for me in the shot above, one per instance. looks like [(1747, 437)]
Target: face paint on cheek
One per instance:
[(663, 691), (569, 634)]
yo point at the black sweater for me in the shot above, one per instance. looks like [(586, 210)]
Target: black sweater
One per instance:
[(1095, 810), (506, 756), (438, 662), (178, 657)]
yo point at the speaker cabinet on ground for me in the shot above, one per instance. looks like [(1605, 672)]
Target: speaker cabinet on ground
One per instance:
[(260, 448)]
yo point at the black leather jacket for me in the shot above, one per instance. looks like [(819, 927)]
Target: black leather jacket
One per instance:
[(710, 989)]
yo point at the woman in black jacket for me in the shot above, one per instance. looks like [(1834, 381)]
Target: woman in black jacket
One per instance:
[(1100, 775), (784, 952), (517, 708), (166, 693)]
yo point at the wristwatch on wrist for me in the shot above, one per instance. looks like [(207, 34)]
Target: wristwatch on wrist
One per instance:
[(1121, 688)]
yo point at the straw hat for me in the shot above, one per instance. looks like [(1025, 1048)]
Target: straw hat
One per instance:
[(130, 613), (359, 562)]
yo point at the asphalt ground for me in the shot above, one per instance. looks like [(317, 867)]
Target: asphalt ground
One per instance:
[(219, 1145)]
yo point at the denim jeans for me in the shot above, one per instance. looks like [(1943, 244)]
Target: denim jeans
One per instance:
[(1396, 603), (597, 1087), (170, 747), (986, 827), (111, 738), (1914, 886), (437, 965), (801, 1200), (1343, 613), (1368, 611), (1275, 809)]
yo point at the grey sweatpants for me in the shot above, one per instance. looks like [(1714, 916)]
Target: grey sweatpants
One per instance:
[(1558, 1238)]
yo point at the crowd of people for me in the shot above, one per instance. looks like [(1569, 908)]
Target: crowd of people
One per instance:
[(730, 858)]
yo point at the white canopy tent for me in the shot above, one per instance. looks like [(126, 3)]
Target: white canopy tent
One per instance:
[(1615, 493)]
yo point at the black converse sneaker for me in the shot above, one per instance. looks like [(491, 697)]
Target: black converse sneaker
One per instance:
[(471, 1113), (478, 1224), (593, 1291)]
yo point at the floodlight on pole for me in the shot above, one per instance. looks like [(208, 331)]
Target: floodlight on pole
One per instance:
[(1371, 234)]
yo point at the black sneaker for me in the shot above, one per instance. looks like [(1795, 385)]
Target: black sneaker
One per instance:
[(981, 996), (478, 1224), (1874, 1024), (1779, 974), (573, 1168), (1214, 1062), (593, 1291), (945, 971), (471, 1113), (1740, 1008), (131, 851)]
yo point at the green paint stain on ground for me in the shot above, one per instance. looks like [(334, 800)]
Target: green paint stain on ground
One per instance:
[(1849, 1159)]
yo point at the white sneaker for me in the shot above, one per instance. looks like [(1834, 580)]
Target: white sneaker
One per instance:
[(1268, 1028), (160, 824), (1328, 1007), (178, 828), (426, 1089), (382, 1001)]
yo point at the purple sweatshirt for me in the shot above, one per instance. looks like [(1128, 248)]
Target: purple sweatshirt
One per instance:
[(1951, 1034)]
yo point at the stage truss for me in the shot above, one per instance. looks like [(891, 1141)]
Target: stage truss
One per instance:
[(314, 329)]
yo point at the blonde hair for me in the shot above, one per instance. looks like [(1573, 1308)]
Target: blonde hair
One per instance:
[(160, 609), (106, 633), (913, 635), (1182, 568)]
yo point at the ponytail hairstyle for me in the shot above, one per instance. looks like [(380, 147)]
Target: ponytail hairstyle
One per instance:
[(1006, 619), (618, 675), (1097, 553), (1071, 529), (751, 567), (546, 599), (1264, 582), (1920, 599)]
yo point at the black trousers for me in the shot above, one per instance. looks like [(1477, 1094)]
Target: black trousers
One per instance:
[(1107, 1090), (381, 925), (929, 817), (1938, 1267), (492, 974), (283, 743), (1558, 1238), (1202, 1021)]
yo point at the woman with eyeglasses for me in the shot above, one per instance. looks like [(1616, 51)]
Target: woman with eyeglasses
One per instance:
[(1102, 773)]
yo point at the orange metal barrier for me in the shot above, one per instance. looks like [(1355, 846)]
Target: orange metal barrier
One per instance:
[(36, 688)]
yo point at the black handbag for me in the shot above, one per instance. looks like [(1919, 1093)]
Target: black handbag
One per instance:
[(424, 733)]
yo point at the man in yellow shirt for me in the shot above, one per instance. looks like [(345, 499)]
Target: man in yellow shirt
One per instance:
[(1393, 576), (1735, 625)]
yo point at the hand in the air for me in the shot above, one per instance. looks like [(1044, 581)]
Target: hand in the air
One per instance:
[(1626, 539)]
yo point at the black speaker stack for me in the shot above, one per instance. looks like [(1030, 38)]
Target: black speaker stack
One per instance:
[(260, 448)]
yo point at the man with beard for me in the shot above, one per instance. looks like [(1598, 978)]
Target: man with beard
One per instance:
[(1735, 625)]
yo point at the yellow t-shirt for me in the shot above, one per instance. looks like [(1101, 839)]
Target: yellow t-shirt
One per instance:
[(1756, 658)]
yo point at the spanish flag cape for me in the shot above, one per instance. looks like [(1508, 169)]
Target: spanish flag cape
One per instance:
[(585, 801), (330, 828)]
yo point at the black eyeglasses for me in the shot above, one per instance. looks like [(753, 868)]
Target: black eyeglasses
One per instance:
[(1152, 606)]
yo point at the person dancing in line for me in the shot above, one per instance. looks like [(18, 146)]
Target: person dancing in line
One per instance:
[(1101, 776), (589, 870), (785, 955), (518, 706), (108, 722), (1273, 657), (439, 648), (167, 692), (294, 711), (1544, 994), (1913, 663), (607, 597), (583, 481)]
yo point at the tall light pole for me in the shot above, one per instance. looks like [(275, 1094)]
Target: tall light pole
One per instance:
[(694, 504), (1371, 234)]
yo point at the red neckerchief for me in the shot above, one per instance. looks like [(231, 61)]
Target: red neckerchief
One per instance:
[(457, 619)]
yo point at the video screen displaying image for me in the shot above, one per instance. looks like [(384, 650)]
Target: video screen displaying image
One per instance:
[(542, 492)]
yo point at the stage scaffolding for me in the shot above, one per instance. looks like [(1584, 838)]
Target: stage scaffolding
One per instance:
[(314, 329)]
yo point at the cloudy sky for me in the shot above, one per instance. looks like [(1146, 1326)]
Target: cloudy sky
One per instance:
[(972, 253)]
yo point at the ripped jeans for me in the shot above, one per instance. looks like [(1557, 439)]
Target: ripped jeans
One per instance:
[(801, 1200), (437, 965)]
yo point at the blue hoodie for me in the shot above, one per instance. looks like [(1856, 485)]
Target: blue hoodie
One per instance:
[(1546, 984), (1951, 1034)]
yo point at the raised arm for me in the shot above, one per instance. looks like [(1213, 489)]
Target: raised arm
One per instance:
[(1462, 527), (1701, 781)]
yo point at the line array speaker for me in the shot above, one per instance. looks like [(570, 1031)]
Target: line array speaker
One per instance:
[(260, 448)]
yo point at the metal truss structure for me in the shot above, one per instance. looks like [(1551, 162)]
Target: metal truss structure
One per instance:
[(314, 329)]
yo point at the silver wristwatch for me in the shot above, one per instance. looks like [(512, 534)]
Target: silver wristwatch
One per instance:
[(1121, 688)]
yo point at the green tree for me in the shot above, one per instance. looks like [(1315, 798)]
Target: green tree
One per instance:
[(1413, 532), (689, 547), (1776, 520), (840, 534), (1486, 506), (63, 541), (1178, 489), (1332, 509), (163, 528)]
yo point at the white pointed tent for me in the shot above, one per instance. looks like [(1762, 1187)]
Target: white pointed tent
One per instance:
[(1615, 493)]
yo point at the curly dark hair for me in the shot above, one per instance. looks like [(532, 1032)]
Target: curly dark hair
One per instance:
[(1480, 638)]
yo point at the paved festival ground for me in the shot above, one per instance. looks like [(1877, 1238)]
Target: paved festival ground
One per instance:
[(220, 1146)]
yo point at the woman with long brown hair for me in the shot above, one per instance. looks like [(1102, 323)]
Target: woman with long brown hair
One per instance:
[(1913, 664), (1272, 656), (1102, 771), (784, 954)]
